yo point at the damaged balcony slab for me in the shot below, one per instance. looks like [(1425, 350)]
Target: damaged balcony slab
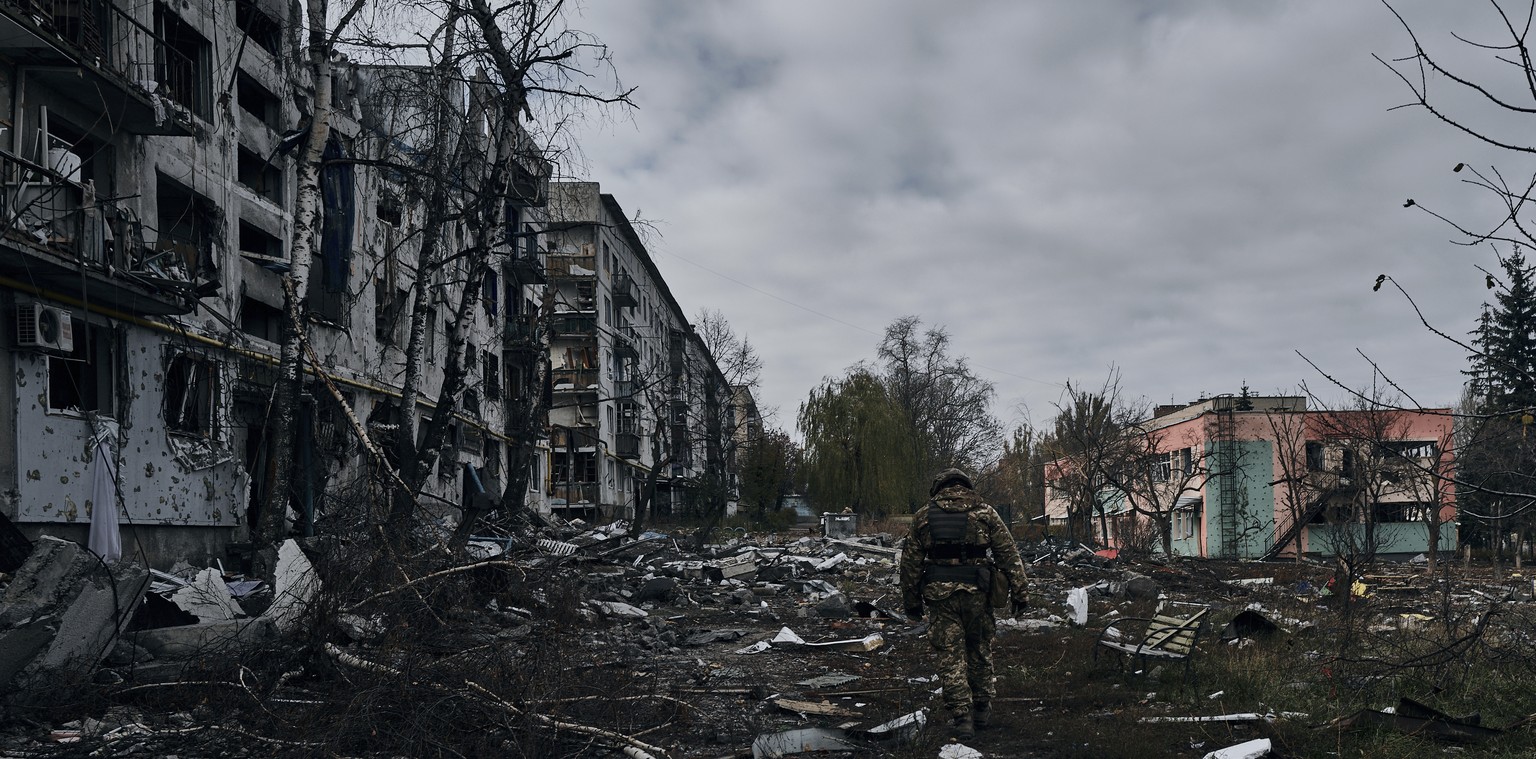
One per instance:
[(63, 608)]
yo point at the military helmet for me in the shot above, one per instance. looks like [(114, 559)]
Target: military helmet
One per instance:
[(949, 477)]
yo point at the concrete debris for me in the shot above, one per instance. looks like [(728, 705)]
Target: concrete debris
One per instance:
[(620, 609), (295, 586), (802, 741), (557, 548), (63, 608), (831, 680), (958, 751), (1414, 718), (821, 708), (207, 597), (1253, 749)]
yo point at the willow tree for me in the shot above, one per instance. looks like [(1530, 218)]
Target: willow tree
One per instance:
[(858, 446)]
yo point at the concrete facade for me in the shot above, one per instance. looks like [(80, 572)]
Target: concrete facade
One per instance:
[(148, 204)]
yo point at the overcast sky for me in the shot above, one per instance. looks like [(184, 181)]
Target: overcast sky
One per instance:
[(1191, 191)]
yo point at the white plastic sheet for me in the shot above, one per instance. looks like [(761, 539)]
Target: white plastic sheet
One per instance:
[(1077, 600)]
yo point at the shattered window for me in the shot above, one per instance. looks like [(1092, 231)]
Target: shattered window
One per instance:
[(191, 392), (85, 379)]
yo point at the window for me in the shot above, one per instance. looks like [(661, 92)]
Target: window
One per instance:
[(492, 375), (191, 395), (258, 101), (181, 63), (259, 175), (536, 472), (259, 27), (1409, 449), (1400, 511), (1162, 467), (1347, 464), (258, 319), (185, 229), (490, 291), (324, 304), (255, 241), (1314, 456), (1184, 521), (86, 379)]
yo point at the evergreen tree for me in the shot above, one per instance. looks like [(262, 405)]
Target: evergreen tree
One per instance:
[(1503, 372)]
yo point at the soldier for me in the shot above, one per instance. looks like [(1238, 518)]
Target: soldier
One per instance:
[(956, 556)]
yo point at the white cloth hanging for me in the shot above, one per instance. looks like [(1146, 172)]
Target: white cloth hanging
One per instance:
[(106, 536)]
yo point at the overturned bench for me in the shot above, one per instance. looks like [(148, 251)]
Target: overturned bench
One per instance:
[(1161, 637)]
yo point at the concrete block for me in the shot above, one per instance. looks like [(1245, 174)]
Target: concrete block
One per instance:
[(207, 598), (204, 638), (63, 609)]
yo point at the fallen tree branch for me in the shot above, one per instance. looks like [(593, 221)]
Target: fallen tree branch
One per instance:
[(441, 573), (629, 746)]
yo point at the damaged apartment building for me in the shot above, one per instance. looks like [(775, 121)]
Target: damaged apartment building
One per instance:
[(148, 195), (638, 401)]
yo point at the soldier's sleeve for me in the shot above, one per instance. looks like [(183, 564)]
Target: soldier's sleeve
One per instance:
[(912, 554), (1005, 555)]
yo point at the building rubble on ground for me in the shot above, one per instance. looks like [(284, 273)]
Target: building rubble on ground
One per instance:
[(772, 644)]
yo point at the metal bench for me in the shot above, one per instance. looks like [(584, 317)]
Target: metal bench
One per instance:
[(1162, 637)]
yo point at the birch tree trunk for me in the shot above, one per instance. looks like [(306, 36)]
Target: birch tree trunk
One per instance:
[(274, 513)]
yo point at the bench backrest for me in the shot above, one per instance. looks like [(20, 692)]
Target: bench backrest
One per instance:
[(1174, 634)]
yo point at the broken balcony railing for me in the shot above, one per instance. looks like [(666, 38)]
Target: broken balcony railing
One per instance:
[(54, 212)]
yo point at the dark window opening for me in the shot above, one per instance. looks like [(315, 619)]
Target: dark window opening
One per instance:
[(181, 64), (259, 27), (259, 175), (191, 396), (185, 229), (490, 291), (1395, 512), (1314, 456), (384, 309), (255, 241), (324, 304), (258, 101), (492, 371), (388, 210), (258, 319), (1347, 464), (86, 378)]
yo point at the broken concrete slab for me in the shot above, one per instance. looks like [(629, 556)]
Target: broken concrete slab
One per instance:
[(958, 751), (189, 641), (1253, 749), (821, 708), (294, 587), (207, 598), (63, 608)]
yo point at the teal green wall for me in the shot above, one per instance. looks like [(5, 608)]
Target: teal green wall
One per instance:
[(1393, 537), (1255, 499)]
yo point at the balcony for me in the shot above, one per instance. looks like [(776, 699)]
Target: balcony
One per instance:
[(60, 238), (625, 388), (627, 445), (574, 380), (574, 492), (573, 438), (524, 266), (520, 334), (561, 267), (573, 325), (93, 53), (626, 343), (530, 180), (625, 292)]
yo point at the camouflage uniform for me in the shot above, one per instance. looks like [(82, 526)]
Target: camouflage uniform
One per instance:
[(961, 623)]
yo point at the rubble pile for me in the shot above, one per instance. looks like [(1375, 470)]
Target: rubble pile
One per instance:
[(569, 640)]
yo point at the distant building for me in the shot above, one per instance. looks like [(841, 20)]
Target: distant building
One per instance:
[(1249, 477), (634, 390)]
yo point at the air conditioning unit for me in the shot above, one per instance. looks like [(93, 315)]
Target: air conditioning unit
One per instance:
[(46, 327)]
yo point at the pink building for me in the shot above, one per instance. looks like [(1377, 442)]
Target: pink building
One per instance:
[(1250, 477)]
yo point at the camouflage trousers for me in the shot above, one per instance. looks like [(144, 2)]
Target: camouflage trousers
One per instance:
[(960, 627)]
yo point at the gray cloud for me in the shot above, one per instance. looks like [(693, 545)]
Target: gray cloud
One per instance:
[(1189, 191)]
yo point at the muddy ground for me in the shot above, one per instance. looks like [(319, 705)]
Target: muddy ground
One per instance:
[(645, 640)]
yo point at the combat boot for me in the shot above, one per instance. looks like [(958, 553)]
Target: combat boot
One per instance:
[(981, 714), (961, 725)]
